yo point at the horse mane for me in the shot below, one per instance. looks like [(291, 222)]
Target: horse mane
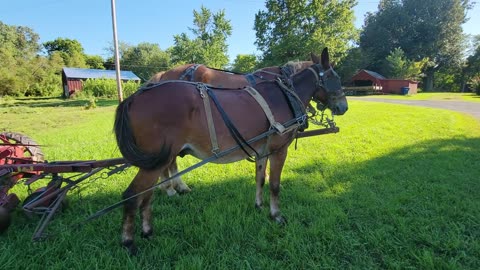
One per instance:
[(296, 66), (157, 77)]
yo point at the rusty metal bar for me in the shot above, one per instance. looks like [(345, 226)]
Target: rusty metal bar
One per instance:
[(63, 166)]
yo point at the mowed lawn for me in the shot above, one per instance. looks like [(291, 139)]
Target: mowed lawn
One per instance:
[(471, 97), (396, 188)]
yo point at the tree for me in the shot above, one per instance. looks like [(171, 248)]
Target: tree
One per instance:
[(209, 45), (351, 64), (422, 29), (244, 63), (94, 61), (399, 67), (70, 50), (472, 68), (20, 40), (18, 48), (291, 29), (145, 59)]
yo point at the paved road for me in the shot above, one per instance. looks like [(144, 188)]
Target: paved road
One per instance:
[(472, 108)]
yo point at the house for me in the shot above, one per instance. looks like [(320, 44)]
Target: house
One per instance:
[(72, 78), (375, 81)]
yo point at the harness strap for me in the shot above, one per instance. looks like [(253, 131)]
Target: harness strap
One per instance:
[(315, 73), (266, 109), (295, 104), (189, 72), (208, 114), (251, 79), (231, 127)]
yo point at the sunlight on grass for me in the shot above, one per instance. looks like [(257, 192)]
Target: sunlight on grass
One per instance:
[(449, 96)]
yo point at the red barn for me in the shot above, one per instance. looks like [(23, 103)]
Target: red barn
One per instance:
[(392, 86), (72, 78)]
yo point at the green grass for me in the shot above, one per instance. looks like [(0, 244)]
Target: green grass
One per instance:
[(396, 188), (472, 97)]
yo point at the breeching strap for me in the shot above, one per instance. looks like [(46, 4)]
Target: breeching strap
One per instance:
[(208, 113)]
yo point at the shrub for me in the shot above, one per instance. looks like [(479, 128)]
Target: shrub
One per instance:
[(107, 88)]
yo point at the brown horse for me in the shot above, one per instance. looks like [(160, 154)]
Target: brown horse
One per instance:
[(227, 79), (223, 79), (169, 119)]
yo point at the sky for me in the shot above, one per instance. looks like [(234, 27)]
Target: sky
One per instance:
[(154, 21)]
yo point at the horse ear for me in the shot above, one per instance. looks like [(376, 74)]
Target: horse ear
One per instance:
[(325, 59), (315, 58)]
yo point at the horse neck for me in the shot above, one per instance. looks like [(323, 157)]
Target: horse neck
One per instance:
[(304, 84)]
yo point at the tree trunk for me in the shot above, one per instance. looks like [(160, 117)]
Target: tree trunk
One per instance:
[(429, 79)]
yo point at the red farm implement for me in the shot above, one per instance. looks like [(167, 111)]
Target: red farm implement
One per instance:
[(21, 160)]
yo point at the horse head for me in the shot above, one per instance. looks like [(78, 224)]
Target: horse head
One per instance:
[(329, 88)]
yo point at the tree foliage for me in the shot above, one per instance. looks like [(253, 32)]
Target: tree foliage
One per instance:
[(351, 64), (472, 68), (22, 71), (94, 61), (144, 59), (244, 63), (291, 29), (422, 29), (399, 67), (209, 44), (70, 50)]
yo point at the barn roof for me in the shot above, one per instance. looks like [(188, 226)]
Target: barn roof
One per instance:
[(86, 73), (375, 74)]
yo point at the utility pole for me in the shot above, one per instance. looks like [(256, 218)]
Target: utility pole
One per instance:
[(117, 55)]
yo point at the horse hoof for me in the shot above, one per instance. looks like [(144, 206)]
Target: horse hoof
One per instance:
[(147, 235), (171, 192), (279, 219), (183, 190), (131, 247), (259, 207)]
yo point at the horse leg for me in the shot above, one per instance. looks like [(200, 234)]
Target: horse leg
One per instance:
[(277, 160), (176, 184), (142, 181), (179, 185), (260, 169), (146, 209)]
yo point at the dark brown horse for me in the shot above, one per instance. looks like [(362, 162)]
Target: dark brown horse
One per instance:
[(163, 121), (223, 79)]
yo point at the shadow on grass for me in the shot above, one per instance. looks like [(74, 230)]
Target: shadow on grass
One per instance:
[(416, 207)]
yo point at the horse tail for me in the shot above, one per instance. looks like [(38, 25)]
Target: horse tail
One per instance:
[(126, 141)]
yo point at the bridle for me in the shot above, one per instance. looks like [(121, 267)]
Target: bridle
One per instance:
[(321, 78)]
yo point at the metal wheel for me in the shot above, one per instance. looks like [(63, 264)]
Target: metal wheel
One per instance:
[(24, 147), (15, 148)]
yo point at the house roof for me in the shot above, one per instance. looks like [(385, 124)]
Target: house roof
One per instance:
[(375, 74), (86, 73)]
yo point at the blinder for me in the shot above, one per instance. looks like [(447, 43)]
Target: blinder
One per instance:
[(332, 87)]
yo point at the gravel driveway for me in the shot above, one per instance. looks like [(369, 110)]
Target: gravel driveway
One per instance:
[(472, 108)]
